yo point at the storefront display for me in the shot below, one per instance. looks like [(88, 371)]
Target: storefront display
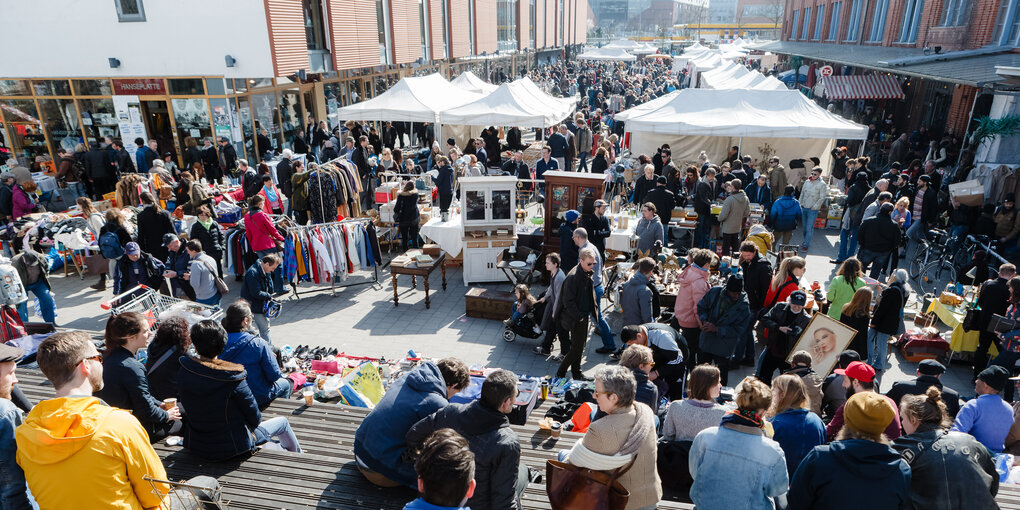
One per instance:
[(566, 191), (192, 118), (25, 130), (60, 118)]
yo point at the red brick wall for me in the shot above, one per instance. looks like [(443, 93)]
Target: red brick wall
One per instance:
[(959, 110)]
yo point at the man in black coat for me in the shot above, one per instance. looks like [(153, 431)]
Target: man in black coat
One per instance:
[(597, 226), (211, 162), (153, 222), (389, 136), (704, 194), (518, 168), (879, 238), (265, 144), (500, 478), (757, 278), (284, 171), (664, 201), (6, 195), (576, 304), (360, 160), (228, 155), (928, 373), (993, 299), (136, 268)]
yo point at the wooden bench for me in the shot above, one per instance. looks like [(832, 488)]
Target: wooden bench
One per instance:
[(325, 476)]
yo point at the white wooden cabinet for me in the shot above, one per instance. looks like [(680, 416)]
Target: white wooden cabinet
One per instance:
[(488, 204)]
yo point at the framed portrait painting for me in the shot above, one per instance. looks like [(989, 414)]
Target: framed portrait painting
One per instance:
[(824, 338)]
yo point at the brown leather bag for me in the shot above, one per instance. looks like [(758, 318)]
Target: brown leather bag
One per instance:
[(576, 488)]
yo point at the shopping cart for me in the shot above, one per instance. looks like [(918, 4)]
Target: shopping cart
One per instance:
[(150, 303), (200, 493)]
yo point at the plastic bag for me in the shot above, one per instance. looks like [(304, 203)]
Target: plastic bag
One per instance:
[(55, 260)]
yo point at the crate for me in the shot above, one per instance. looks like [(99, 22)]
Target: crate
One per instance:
[(489, 304), (431, 249), (820, 222)]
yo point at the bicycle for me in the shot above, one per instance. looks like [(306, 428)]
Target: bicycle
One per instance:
[(933, 246), (947, 268)]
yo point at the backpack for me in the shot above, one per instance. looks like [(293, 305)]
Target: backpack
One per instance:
[(109, 245), (78, 167)]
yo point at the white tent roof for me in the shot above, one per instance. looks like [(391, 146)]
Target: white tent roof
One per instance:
[(646, 107), (623, 43), (722, 74), (511, 104), (418, 99), (644, 49), (706, 62), (607, 53), (555, 104), (468, 81), (771, 83), (747, 113)]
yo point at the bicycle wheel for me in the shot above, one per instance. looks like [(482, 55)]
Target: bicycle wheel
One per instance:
[(918, 262), (935, 275)]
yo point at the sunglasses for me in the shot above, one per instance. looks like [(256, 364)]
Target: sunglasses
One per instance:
[(97, 357)]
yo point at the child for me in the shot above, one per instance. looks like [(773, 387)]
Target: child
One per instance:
[(524, 303)]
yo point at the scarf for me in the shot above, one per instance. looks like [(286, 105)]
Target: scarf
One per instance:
[(644, 424), (207, 223), (270, 194), (744, 417)]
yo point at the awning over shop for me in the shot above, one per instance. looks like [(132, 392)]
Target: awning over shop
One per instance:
[(870, 86)]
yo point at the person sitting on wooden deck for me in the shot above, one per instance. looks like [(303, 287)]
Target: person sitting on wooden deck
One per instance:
[(380, 444), (446, 472)]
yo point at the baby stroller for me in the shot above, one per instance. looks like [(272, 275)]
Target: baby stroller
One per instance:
[(527, 326)]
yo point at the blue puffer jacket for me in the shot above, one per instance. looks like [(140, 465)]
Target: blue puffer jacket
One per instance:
[(221, 417), (379, 442), (785, 213), (257, 288), (255, 354)]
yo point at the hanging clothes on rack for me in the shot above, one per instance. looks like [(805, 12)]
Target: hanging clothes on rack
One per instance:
[(330, 252), (322, 192)]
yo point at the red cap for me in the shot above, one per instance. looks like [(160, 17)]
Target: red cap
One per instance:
[(858, 370)]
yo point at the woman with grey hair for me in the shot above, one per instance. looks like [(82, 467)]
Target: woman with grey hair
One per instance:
[(888, 318), (623, 439)]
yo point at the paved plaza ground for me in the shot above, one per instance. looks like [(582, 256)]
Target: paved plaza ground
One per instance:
[(361, 320)]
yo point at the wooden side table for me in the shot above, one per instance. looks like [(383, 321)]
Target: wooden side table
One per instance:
[(415, 270)]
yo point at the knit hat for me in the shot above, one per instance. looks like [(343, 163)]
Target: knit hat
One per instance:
[(571, 215), (798, 297), (994, 376), (868, 412), (735, 283)]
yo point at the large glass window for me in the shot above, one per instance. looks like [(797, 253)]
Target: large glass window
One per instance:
[(806, 27), (265, 115), (333, 97), (192, 118), (446, 30), (244, 112), (563, 22), (819, 22), (186, 87), (471, 28), (878, 20), (423, 28), (25, 130), (911, 21), (99, 119), (834, 21), (954, 13), (291, 116), (1005, 17), (15, 88), (855, 21), (93, 87), (130, 10), (51, 87), (793, 29), (60, 120), (531, 23), (506, 25)]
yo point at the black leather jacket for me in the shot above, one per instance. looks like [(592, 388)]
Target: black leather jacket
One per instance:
[(950, 470)]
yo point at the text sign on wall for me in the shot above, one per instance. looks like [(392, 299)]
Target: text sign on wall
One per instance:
[(139, 87)]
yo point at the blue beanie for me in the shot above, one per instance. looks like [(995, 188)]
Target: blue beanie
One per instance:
[(571, 215)]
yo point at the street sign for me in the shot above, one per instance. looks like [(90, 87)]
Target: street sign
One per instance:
[(825, 71)]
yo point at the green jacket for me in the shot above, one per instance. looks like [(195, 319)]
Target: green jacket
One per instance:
[(27, 258), (299, 191)]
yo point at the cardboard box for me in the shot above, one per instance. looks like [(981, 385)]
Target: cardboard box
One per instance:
[(970, 192)]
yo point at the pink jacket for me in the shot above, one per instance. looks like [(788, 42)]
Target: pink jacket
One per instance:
[(693, 286), (22, 204), (279, 198), (260, 231)]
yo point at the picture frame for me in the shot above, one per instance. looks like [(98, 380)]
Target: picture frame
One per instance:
[(824, 338)]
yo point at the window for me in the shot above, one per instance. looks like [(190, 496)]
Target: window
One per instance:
[(51, 87), (834, 21), (819, 21), (531, 24), (954, 13), (855, 21), (446, 35), (562, 20), (423, 27), (878, 20), (506, 23), (315, 31), (806, 23), (793, 30), (186, 87), (471, 27), (129, 10), (911, 21), (381, 23)]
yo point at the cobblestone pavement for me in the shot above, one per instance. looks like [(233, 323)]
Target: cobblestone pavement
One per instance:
[(362, 320)]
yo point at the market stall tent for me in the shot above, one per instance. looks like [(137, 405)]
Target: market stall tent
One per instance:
[(722, 74), (415, 99), (714, 120), (468, 81), (607, 53), (511, 104), (645, 107)]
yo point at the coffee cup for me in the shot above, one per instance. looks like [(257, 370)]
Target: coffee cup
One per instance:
[(555, 428), (309, 397), (169, 403)]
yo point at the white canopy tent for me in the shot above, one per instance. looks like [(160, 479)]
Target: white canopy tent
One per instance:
[(645, 107), (468, 81), (751, 80), (417, 99), (722, 74), (555, 103), (607, 53), (623, 43), (644, 49), (511, 104), (714, 120)]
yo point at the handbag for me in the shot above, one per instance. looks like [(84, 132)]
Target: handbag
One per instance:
[(970, 320), (576, 488), (221, 286)]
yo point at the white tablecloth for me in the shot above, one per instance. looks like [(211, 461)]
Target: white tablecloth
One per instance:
[(448, 235), (44, 182)]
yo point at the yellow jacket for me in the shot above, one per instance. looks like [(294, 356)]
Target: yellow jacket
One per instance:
[(78, 452)]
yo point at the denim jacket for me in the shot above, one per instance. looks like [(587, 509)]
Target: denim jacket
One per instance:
[(13, 489), (750, 466)]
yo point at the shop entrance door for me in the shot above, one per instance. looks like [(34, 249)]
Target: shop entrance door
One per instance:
[(156, 116)]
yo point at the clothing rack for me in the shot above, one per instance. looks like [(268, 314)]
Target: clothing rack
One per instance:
[(289, 225)]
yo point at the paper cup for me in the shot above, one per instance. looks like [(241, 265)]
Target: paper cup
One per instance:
[(169, 403), (309, 397)]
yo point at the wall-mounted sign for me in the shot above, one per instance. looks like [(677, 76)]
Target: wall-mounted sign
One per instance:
[(139, 87)]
